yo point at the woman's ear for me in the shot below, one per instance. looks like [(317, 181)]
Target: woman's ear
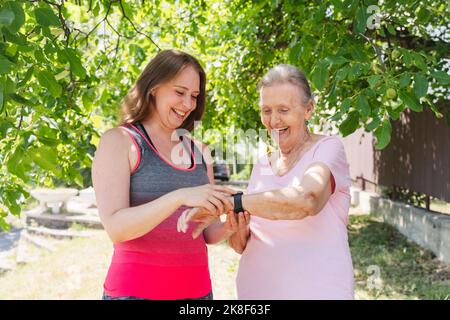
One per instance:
[(309, 109), (152, 94), (153, 90)]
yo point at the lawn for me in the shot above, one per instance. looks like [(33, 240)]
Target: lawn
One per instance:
[(407, 271), (386, 264)]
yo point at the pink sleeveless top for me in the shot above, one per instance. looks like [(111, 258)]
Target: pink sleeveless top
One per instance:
[(163, 264)]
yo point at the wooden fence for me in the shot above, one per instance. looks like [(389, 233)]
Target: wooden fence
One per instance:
[(417, 159)]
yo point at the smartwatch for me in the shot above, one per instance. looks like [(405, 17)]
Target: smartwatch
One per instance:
[(237, 197)]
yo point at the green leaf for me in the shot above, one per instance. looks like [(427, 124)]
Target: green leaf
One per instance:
[(359, 55), (21, 100), (363, 105), (320, 75), (294, 53), (96, 9), (3, 224), (373, 124), (423, 15), (420, 85), (383, 135), (19, 16), (341, 74), (27, 77), (435, 110), (1, 98), (361, 20), (441, 76), (337, 60), (39, 56), (63, 74), (11, 50), (350, 124), (44, 157), (47, 80), (405, 80), (5, 65), (87, 102), (407, 57), (411, 101), (394, 113), (391, 29), (17, 38), (46, 17), (13, 208), (77, 177), (9, 86), (14, 164), (6, 17), (355, 71), (419, 62), (374, 80), (4, 127), (48, 136), (345, 105), (75, 62)]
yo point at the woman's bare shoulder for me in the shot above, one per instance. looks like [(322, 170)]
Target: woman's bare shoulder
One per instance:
[(117, 138)]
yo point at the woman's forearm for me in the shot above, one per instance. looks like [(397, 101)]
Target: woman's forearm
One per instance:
[(236, 243), (216, 233), (292, 203), (133, 222)]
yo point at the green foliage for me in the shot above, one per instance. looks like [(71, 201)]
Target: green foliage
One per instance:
[(407, 196), (65, 66)]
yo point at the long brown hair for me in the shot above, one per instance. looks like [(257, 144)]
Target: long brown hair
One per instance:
[(138, 104)]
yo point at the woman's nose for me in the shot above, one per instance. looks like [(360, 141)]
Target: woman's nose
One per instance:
[(274, 119), (187, 102)]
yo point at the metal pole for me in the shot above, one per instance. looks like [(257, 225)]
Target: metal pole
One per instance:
[(427, 202)]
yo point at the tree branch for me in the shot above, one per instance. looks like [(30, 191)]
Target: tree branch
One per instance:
[(376, 49), (407, 40), (134, 27)]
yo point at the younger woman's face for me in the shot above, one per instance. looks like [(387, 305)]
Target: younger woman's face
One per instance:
[(177, 98), (283, 113)]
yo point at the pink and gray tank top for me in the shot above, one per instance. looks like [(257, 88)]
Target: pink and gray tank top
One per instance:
[(162, 264)]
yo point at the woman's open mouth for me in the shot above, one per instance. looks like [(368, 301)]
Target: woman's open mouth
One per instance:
[(179, 114), (279, 131)]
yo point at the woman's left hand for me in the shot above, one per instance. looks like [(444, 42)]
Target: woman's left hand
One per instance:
[(198, 214)]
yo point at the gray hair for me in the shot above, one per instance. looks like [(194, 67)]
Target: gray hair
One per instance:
[(286, 73)]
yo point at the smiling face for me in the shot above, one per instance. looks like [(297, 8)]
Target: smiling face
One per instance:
[(176, 98), (283, 113)]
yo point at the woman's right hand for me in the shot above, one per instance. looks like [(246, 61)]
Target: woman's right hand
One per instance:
[(239, 223), (213, 198)]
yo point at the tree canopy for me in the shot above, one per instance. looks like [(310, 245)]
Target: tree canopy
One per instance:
[(65, 66)]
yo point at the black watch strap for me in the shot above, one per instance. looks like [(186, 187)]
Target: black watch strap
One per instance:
[(237, 197)]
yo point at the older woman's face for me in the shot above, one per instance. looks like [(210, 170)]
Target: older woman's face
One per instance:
[(283, 113)]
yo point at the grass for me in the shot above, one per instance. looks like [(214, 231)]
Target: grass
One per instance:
[(77, 268), (406, 270)]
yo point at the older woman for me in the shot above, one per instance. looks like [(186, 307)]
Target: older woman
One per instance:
[(296, 245)]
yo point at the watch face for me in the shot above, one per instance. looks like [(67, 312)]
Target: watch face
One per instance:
[(238, 202)]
